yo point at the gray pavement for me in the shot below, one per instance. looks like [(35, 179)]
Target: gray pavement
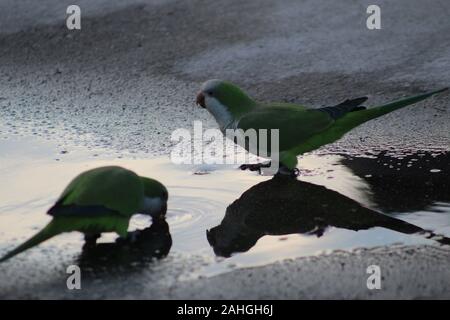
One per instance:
[(129, 78)]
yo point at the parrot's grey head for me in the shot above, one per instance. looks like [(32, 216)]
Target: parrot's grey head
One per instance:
[(224, 100), (155, 198), (208, 91)]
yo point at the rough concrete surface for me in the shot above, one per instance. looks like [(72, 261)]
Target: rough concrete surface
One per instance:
[(129, 78), (137, 66), (414, 272)]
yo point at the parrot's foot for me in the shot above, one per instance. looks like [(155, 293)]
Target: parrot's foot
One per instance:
[(90, 240), (286, 172), (255, 166)]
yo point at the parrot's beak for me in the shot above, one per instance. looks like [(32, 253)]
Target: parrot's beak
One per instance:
[(201, 99)]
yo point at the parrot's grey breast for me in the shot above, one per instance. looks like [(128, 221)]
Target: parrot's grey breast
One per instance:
[(220, 113)]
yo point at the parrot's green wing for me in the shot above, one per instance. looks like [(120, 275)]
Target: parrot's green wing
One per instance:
[(101, 191), (295, 123), (99, 200)]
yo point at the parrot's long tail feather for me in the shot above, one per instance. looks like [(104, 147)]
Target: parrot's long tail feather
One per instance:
[(354, 119), (41, 236), (379, 111)]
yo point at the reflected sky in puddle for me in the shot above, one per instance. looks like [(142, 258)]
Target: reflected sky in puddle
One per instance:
[(315, 219)]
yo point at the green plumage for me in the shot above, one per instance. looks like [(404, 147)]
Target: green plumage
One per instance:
[(154, 188), (300, 129), (87, 225), (284, 118), (113, 187), (96, 201), (351, 120)]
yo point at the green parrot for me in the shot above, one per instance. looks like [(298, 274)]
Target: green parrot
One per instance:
[(301, 129), (101, 200)]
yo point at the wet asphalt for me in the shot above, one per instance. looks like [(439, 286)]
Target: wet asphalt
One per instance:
[(128, 78)]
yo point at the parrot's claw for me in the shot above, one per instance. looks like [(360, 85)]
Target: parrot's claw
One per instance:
[(255, 166)]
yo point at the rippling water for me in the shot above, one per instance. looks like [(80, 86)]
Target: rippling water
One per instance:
[(249, 230)]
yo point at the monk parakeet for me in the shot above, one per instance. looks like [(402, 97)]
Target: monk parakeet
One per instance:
[(101, 200), (301, 129)]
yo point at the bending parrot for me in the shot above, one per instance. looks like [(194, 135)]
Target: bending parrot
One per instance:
[(101, 200), (301, 129)]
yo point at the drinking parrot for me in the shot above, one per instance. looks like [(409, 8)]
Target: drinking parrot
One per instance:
[(100, 200), (301, 129)]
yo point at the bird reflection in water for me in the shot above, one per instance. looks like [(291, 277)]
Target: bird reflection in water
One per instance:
[(283, 205), (139, 248)]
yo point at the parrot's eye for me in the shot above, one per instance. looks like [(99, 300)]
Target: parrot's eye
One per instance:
[(209, 93)]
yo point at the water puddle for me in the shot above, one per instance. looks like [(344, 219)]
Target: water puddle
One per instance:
[(224, 218)]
